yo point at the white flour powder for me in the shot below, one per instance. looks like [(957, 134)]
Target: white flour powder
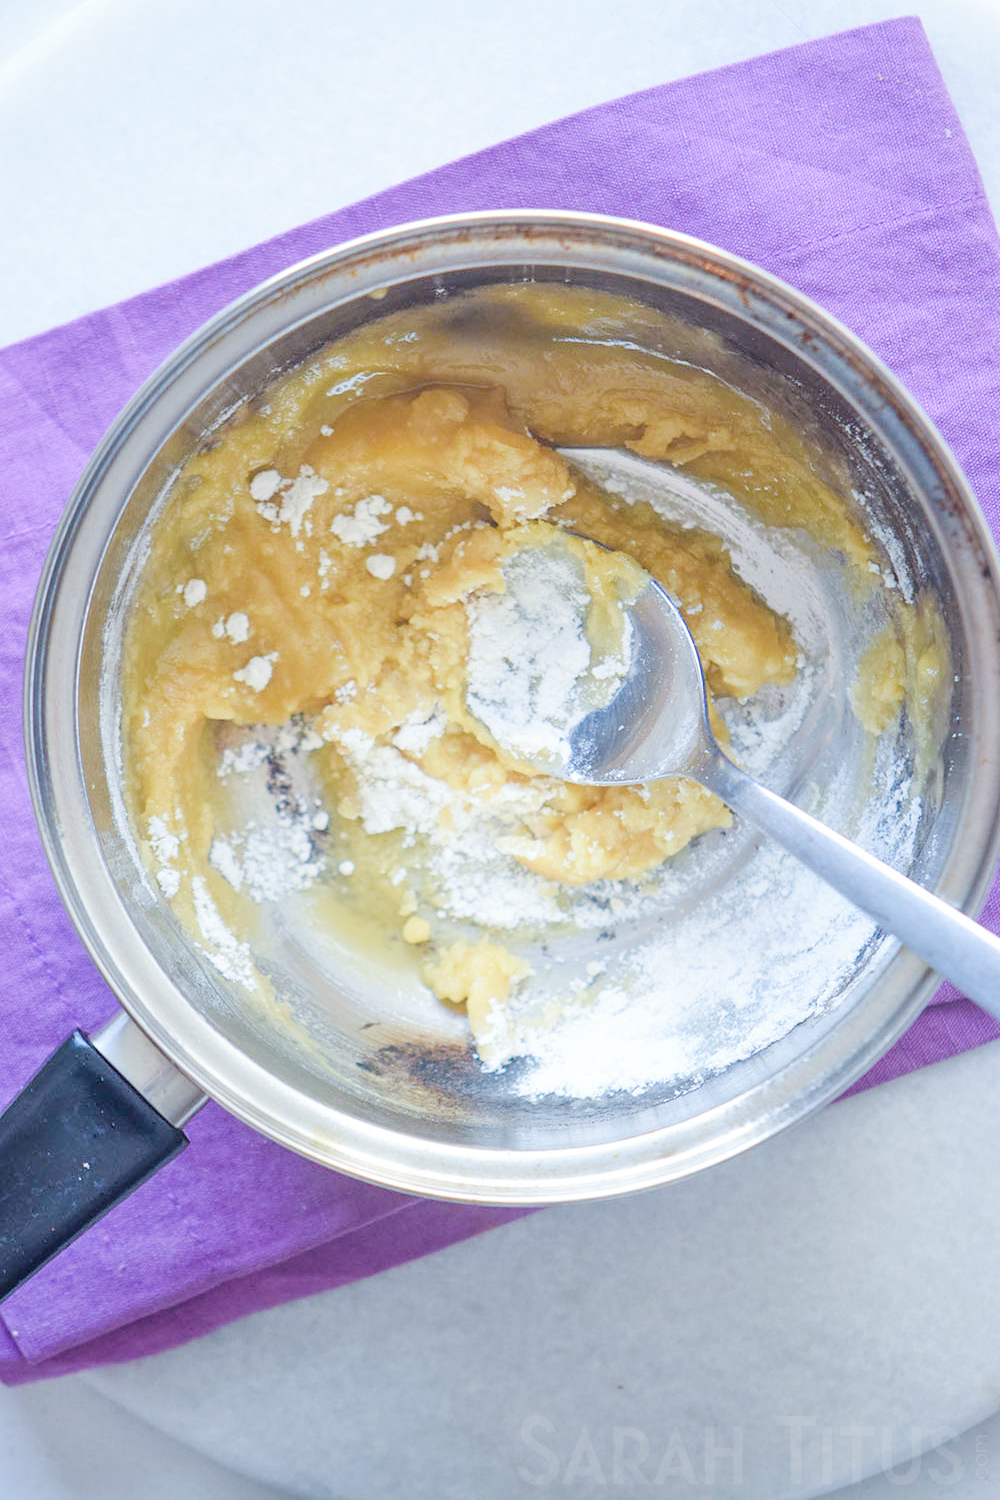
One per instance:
[(270, 861), (274, 851), (530, 674), (461, 870), (287, 502), (223, 949)]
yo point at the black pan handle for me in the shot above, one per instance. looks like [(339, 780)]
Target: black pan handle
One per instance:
[(76, 1141)]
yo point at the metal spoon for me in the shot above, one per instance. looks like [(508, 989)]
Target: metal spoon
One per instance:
[(657, 726)]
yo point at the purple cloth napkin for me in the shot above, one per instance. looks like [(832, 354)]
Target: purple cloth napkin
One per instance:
[(841, 166)]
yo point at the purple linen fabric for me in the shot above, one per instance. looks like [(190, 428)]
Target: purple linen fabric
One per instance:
[(839, 165)]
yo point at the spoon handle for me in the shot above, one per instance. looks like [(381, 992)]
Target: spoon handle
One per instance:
[(954, 945)]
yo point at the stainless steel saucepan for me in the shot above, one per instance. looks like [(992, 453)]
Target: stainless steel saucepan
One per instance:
[(376, 1079)]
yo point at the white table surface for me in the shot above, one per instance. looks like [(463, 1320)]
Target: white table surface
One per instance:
[(840, 1283)]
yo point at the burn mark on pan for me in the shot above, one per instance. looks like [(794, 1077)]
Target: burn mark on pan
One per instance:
[(448, 1075)]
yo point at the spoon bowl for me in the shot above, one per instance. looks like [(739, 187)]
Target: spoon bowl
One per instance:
[(657, 724)]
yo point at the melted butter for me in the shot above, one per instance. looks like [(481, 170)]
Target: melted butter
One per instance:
[(907, 666)]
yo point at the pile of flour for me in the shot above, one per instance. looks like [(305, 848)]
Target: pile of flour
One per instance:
[(531, 672)]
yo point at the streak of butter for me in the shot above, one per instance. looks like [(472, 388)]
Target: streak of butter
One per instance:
[(907, 663), (447, 411), (877, 691)]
